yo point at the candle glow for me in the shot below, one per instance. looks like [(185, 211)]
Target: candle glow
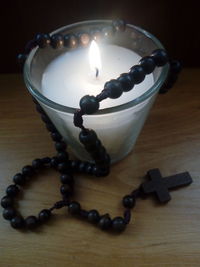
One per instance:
[(94, 58)]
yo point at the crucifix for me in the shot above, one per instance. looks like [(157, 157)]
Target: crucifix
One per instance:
[(160, 186)]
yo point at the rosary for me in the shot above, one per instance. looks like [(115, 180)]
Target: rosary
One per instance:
[(154, 184)]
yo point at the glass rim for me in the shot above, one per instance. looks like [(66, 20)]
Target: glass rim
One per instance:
[(39, 96)]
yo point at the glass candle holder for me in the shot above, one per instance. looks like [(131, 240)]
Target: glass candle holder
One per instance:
[(118, 126)]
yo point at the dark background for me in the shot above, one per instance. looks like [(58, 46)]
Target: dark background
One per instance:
[(175, 23)]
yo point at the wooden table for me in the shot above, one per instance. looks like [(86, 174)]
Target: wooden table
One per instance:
[(167, 235)]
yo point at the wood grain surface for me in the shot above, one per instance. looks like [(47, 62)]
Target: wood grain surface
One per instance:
[(158, 235)]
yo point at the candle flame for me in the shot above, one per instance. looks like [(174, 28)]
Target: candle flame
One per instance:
[(95, 57)]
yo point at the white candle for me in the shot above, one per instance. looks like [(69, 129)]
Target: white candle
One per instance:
[(69, 77)]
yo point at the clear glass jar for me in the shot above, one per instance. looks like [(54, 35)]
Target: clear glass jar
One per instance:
[(117, 127)]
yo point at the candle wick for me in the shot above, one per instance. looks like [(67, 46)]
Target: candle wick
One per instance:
[(97, 72)]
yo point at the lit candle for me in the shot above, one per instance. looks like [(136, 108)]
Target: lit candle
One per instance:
[(84, 71)]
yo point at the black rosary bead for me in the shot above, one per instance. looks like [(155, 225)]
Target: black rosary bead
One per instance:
[(17, 222), (128, 201), (114, 88), (89, 104), (28, 170), (54, 162), (57, 41), (96, 35), (105, 222), (66, 190), (67, 179), (6, 202), (9, 213), (108, 31), (137, 73), (74, 208), (175, 66), (42, 40), (127, 82), (82, 166), (19, 179), (74, 164), (119, 25), (89, 168), (93, 216), (60, 146), (83, 213), (88, 137), (44, 215), (37, 163), (84, 39), (31, 222), (62, 156), (56, 136), (50, 127), (148, 64), (46, 160), (63, 167), (70, 41), (160, 57), (93, 146), (12, 190), (21, 58), (118, 224)]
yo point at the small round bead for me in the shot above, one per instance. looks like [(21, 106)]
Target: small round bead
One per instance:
[(96, 35), (114, 88), (56, 136), (89, 104), (94, 146), (9, 213), (126, 81), (105, 222), (99, 154), (37, 163), (45, 118), (88, 137), (57, 41), (108, 31), (128, 201), (148, 64), (175, 66), (62, 156), (44, 215), (84, 213), (6, 202), (89, 168), (84, 39), (67, 179), (119, 25), (19, 179), (82, 166), (60, 146), (21, 58), (160, 57), (50, 127), (46, 160), (54, 162), (137, 73), (42, 40), (74, 207), (31, 222), (28, 170), (74, 164), (66, 189), (93, 216), (12, 190), (118, 224), (63, 166), (17, 222), (70, 41)]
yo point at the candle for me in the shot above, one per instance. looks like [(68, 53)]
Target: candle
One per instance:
[(58, 79), (70, 76)]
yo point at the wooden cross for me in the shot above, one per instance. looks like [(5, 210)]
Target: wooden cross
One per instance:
[(160, 186)]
